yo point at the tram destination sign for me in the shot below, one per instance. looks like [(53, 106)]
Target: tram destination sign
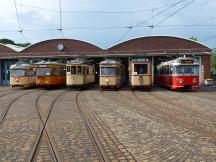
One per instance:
[(187, 61)]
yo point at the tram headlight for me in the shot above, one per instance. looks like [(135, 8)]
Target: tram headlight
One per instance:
[(194, 80), (180, 80)]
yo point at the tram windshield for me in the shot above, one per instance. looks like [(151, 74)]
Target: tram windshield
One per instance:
[(21, 72), (43, 71), (17, 72), (186, 69), (141, 68), (109, 71)]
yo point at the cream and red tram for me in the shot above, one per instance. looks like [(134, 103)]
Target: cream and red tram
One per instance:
[(79, 73), (22, 75), (182, 72), (140, 73), (111, 74), (50, 74)]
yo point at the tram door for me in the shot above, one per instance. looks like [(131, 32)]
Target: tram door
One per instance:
[(5, 72)]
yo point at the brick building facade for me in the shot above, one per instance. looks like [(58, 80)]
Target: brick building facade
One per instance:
[(155, 47)]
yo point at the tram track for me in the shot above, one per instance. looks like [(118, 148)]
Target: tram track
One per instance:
[(91, 131), (44, 135), (6, 109), (157, 147), (182, 108), (10, 92), (162, 114), (105, 140), (179, 117)]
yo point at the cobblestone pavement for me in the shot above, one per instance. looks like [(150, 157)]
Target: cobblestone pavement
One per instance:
[(153, 135), (119, 126), (69, 131), (111, 145), (44, 147), (19, 129), (43, 153)]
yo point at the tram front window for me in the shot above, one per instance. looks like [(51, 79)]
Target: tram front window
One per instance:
[(187, 69), (17, 72), (141, 68), (109, 71), (43, 71)]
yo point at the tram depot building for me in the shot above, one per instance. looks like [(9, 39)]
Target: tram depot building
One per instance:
[(156, 48)]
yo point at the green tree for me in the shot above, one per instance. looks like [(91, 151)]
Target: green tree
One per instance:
[(214, 59), (193, 38), (8, 41)]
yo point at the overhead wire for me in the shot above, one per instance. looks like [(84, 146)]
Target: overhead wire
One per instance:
[(152, 25), (142, 22), (60, 19), (19, 23), (174, 13), (90, 12), (159, 13), (131, 27)]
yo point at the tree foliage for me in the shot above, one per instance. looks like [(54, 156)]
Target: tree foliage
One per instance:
[(193, 38), (214, 60), (8, 41)]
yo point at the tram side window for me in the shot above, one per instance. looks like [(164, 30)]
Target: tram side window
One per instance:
[(171, 70), (91, 70), (84, 70), (162, 70), (117, 71), (87, 70), (79, 70), (141, 68), (62, 70), (54, 71), (30, 72), (73, 69), (68, 69)]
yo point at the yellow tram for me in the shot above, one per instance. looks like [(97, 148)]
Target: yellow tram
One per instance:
[(79, 73), (140, 73), (22, 75), (111, 74), (50, 74)]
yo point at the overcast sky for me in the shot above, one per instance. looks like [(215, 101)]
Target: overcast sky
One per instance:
[(106, 23)]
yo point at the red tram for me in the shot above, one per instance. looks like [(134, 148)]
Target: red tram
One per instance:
[(182, 72)]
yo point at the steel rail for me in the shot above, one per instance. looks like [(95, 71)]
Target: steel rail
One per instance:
[(91, 131), (44, 130)]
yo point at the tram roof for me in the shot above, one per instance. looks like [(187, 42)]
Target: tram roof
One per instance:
[(78, 61), (178, 61), (110, 61), (48, 63), (21, 65)]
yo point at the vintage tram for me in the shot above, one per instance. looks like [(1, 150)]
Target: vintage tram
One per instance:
[(111, 74), (182, 72), (140, 73), (79, 73), (22, 75), (50, 73)]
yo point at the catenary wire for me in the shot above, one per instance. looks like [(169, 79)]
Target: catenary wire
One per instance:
[(159, 13), (19, 23), (174, 13)]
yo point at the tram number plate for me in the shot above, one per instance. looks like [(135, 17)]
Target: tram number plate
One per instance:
[(42, 65), (187, 61)]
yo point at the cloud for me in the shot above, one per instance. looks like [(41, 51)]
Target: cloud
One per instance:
[(33, 16)]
